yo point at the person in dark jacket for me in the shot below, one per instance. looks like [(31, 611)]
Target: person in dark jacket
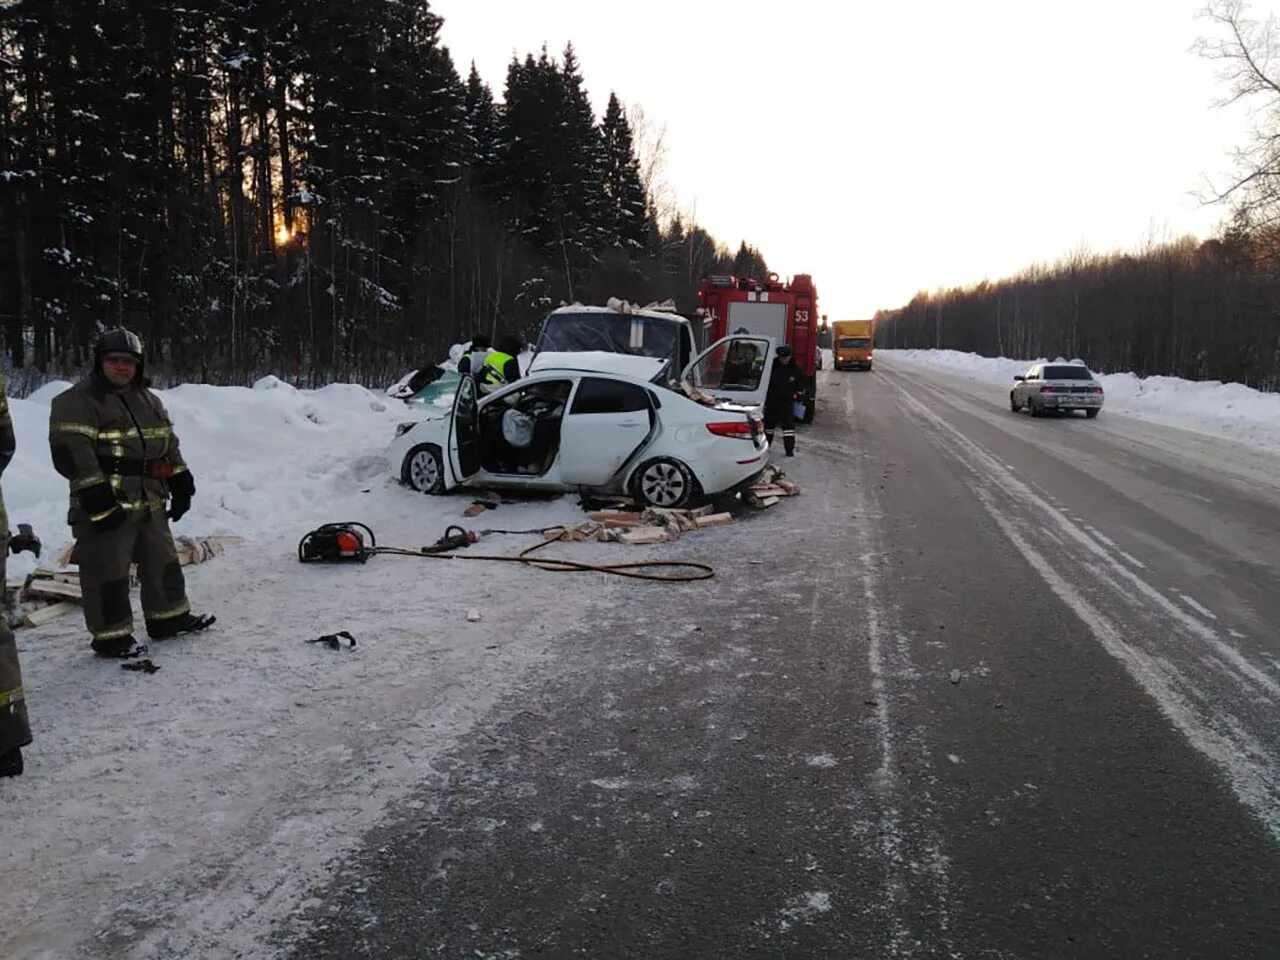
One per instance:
[(500, 366), (474, 355), (112, 438), (785, 384)]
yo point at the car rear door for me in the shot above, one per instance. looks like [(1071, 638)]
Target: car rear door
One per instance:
[(1030, 384), (464, 431), (735, 368), (609, 421)]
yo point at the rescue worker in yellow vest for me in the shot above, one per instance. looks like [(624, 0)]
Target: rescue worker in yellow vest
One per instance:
[(500, 366), (472, 360), (112, 438), (15, 732)]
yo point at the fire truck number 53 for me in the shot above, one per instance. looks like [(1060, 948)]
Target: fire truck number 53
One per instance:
[(802, 316)]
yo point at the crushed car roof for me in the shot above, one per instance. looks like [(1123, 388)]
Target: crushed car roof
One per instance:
[(599, 361)]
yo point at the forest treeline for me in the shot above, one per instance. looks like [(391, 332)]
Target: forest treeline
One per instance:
[(306, 188), (1201, 310)]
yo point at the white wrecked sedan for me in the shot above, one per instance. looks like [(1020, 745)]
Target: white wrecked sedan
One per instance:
[(598, 423)]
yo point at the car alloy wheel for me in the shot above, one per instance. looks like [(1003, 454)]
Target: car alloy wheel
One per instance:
[(423, 470), (665, 483)]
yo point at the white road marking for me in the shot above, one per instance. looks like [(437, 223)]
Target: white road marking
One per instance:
[(1202, 610)]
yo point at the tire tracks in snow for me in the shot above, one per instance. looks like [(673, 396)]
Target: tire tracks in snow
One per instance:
[(916, 903)]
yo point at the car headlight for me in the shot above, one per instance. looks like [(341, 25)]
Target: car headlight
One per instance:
[(403, 428)]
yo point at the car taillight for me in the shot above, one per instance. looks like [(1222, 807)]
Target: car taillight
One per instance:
[(1097, 390), (738, 429), (1048, 389)]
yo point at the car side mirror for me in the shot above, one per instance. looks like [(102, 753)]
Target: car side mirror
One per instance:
[(1019, 378)]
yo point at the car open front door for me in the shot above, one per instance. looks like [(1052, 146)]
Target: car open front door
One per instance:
[(735, 368), (464, 434)]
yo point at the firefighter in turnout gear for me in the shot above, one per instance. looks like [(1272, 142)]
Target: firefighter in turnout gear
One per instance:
[(786, 383), (15, 732), (111, 437), (500, 366)]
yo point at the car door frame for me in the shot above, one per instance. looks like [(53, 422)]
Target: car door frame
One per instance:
[(1031, 376), (644, 422), (464, 433), (748, 398)]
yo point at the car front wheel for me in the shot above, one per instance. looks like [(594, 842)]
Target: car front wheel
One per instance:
[(424, 470), (1013, 403), (664, 482)]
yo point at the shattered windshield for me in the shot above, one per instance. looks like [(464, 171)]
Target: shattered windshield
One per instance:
[(613, 333), (439, 393)]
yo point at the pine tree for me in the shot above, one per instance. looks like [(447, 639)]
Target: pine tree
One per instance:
[(627, 212)]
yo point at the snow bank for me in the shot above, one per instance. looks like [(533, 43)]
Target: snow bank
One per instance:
[(1227, 410)]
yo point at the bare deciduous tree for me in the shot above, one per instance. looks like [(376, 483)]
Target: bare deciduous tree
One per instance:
[(1247, 52)]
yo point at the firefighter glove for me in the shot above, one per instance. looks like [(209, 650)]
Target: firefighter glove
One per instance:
[(182, 485), (98, 500), (109, 520)]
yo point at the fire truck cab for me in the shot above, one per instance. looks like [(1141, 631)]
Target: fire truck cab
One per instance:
[(788, 312)]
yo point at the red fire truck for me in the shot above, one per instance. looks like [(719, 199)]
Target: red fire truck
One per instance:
[(787, 312)]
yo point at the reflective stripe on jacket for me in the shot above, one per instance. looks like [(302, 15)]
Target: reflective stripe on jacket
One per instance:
[(93, 427), (493, 370)]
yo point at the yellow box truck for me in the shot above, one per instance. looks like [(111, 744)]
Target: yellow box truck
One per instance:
[(851, 344)]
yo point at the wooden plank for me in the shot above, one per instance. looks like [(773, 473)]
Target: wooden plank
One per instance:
[(645, 535), (769, 491), (51, 612), (475, 510), (52, 588), (621, 515), (714, 520), (769, 501)]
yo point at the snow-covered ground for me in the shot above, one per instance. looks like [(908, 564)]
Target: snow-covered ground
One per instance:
[(186, 813), (1223, 410)]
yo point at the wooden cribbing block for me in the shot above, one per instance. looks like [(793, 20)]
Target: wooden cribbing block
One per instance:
[(714, 520), (51, 612)]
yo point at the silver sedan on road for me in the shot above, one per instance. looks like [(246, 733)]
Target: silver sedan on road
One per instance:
[(1060, 387)]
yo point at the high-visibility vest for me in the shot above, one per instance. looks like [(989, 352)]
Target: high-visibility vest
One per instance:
[(494, 365)]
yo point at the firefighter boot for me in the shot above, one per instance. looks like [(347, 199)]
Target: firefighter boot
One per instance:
[(119, 648), (789, 442), (11, 763), (184, 623)]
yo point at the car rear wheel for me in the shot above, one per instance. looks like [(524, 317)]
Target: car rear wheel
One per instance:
[(1091, 413), (424, 469), (664, 482), (1033, 409)]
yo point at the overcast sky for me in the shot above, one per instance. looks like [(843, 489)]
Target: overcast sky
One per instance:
[(892, 147)]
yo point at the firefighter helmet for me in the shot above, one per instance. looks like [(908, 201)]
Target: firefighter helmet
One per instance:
[(118, 340)]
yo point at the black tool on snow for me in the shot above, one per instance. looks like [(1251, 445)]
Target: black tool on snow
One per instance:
[(338, 543), (24, 539), (337, 640), (143, 666), (455, 538)]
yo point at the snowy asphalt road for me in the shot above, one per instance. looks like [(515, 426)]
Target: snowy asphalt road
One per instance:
[(993, 687)]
